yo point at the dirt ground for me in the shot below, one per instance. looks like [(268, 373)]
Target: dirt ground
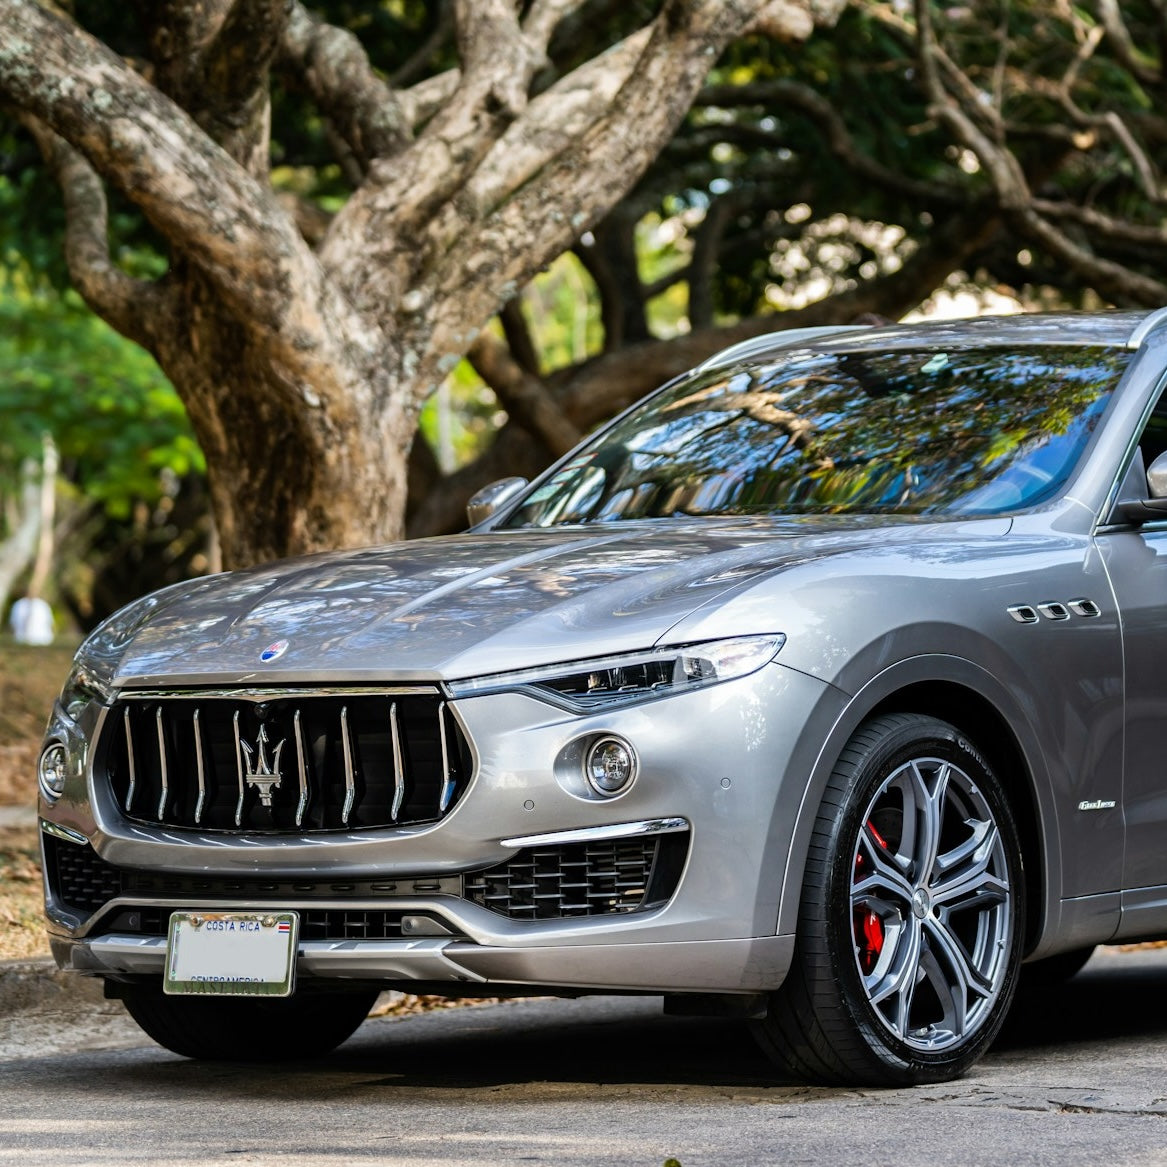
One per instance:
[(29, 680)]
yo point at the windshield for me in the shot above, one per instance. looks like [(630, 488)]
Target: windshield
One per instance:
[(972, 431)]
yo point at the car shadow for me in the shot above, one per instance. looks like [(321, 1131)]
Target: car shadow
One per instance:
[(1116, 996), (629, 1042)]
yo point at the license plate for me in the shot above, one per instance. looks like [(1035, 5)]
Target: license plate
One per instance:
[(231, 954)]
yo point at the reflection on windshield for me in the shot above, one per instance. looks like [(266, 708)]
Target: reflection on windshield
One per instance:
[(977, 431)]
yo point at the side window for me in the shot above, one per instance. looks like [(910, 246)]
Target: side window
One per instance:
[(1154, 439)]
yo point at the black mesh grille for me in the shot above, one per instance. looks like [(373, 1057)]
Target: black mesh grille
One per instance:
[(79, 879), (315, 923), (303, 762), (582, 879), (540, 883)]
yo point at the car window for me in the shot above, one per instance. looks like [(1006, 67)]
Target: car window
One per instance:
[(977, 431)]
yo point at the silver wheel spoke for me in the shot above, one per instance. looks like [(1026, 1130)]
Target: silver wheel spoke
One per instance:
[(930, 791), (955, 977), (892, 993), (968, 870), (885, 872)]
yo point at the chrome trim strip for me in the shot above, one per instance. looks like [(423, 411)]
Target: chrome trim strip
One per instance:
[(301, 769), (349, 777), (202, 773), (164, 798), (65, 833), (447, 781), (398, 765), (285, 691), (600, 834), (130, 756), (1145, 327), (239, 769)]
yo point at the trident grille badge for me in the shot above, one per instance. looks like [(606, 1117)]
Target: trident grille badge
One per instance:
[(257, 770)]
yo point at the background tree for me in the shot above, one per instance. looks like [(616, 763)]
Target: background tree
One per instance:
[(995, 144), (304, 349), (989, 146)]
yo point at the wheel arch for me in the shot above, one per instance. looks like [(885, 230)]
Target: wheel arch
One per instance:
[(967, 697)]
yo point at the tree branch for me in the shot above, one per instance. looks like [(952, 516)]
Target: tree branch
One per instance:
[(133, 307), (369, 115), (601, 166), (212, 211), (1012, 190), (802, 97), (1120, 39), (523, 396), (407, 195), (443, 27), (232, 84), (518, 336)]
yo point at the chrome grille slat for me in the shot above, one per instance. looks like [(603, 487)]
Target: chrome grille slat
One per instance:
[(448, 785), (238, 768), (350, 783), (348, 762), (301, 770), (164, 771), (132, 768), (202, 769), (398, 765)]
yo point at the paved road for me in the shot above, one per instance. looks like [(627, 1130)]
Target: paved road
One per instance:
[(1079, 1077)]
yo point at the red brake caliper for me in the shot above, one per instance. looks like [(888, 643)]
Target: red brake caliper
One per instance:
[(867, 926)]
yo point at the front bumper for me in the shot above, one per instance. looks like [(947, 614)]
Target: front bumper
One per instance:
[(728, 764)]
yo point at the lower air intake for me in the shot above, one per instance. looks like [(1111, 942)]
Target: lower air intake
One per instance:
[(582, 879)]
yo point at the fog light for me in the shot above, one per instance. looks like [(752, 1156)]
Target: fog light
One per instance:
[(610, 766), (53, 771)]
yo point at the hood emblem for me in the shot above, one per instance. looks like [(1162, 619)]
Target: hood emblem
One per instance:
[(274, 651), (264, 776)]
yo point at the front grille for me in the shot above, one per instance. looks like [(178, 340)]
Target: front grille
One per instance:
[(583, 879), (285, 762)]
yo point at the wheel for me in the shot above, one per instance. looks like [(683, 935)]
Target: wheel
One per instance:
[(910, 924), (1053, 970), (248, 1029)]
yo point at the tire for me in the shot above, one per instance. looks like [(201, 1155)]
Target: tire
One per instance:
[(243, 1029), (910, 925), (1053, 970)]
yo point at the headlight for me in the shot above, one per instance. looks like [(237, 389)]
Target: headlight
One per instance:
[(83, 686), (616, 680)]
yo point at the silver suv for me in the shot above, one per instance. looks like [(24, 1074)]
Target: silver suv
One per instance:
[(823, 688)]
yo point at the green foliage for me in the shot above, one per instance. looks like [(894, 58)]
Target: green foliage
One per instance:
[(116, 420)]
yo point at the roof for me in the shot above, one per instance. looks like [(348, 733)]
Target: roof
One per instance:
[(1109, 329)]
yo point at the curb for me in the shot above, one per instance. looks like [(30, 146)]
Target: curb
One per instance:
[(17, 816)]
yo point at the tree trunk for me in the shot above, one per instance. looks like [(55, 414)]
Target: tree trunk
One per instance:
[(291, 467), (18, 549)]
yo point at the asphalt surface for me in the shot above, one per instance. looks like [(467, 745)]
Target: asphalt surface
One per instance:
[(1078, 1077)]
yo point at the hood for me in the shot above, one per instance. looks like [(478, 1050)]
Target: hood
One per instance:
[(460, 606)]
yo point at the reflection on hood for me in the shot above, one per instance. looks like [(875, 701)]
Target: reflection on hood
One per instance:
[(462, 606)]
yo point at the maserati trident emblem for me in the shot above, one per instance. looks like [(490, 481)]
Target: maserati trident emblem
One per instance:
[(273, 651), (264, 776)]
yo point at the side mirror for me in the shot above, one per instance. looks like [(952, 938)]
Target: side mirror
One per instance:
[(1153, 507), (491, 498)]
